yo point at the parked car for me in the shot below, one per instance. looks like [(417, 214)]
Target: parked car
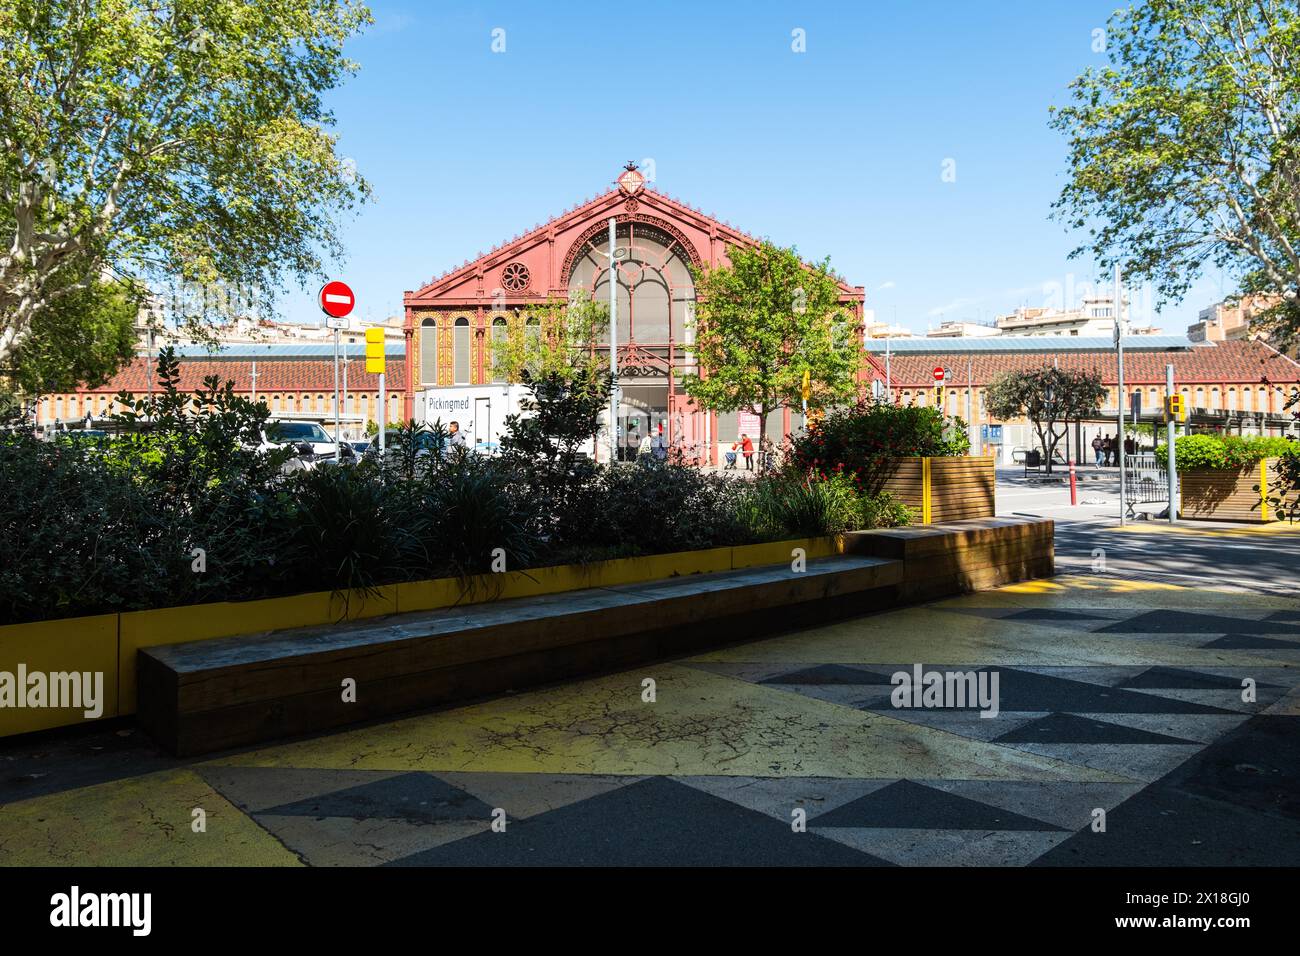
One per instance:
[(280, 433), (425, 443), (312, 445)]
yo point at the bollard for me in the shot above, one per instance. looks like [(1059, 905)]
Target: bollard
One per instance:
[(1074, 488)]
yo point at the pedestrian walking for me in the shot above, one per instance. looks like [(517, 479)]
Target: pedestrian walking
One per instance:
[(1107, 450), (1096, 450), (747, 449)]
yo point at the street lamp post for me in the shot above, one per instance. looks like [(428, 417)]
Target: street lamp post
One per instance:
[(1119, 349), (613, 344)]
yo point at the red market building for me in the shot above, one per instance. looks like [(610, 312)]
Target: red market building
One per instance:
[(452, 320), (1239, 386)]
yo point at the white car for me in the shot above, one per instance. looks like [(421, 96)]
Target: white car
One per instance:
[(298, 433)]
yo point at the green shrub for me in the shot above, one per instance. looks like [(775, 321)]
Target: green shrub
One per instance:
[(885, 511), (1224, 452), (794, 507), (656, 508), (1284, 497), (183, 509), (470, 509), (345, 532)]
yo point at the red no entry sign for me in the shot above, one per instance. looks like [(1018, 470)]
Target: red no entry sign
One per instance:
[(940, 373), (336, 299)]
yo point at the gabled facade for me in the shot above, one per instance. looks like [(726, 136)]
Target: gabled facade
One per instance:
[(451, 320)]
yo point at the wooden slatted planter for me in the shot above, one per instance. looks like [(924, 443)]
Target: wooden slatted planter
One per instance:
[(945, 489), (1218, 494)]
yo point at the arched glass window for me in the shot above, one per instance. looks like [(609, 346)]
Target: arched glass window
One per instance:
[(460, 351), (428, 352), (500, 330), (655, 287)]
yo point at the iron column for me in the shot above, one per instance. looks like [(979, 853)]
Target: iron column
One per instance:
[(613, 344)]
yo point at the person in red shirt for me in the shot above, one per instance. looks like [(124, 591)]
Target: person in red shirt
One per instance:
[(747, 449)]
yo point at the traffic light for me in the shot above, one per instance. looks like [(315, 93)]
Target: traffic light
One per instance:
[(938, 395), (375, 351), (1176, 407)]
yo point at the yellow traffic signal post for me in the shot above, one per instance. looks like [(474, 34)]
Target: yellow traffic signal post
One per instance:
[(1172, 401), (375, 366)]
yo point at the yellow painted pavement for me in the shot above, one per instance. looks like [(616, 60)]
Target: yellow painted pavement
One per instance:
[(700, 723), (139, 821)]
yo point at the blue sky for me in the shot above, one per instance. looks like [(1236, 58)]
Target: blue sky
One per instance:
[(838, 150)]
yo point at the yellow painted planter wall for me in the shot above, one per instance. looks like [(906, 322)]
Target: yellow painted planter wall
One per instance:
[(72, 644), (108, 642)]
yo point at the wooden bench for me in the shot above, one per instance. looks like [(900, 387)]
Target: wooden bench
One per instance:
[(202, 696), (208, 695)]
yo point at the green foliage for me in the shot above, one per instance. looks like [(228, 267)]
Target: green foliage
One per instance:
[(762, 322), (470, 508), (183, 508), (885, 511), (187, 140), (347, 532), (860, 443), (82, 338), (180, 442), (552, 338), (1224, 452), (792, 505), (1048, 397), (543, 448), (1183, 149), (1284, 497), (657, 508)]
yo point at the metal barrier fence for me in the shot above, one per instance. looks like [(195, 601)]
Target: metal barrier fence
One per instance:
[(1146, 482)]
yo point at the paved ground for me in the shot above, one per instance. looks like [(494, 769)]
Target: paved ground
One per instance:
[(1120, 696)]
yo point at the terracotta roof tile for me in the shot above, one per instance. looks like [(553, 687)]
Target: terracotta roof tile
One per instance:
[(1238, 361), (272, 376)]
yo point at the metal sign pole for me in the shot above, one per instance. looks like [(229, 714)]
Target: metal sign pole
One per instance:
[(889, 379), (383, 414), (337, 423), (1119, 401), (1169, 440), (613, 343), (970, 408)]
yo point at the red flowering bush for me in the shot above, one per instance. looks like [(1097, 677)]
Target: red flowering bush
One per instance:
[(862, 441)]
